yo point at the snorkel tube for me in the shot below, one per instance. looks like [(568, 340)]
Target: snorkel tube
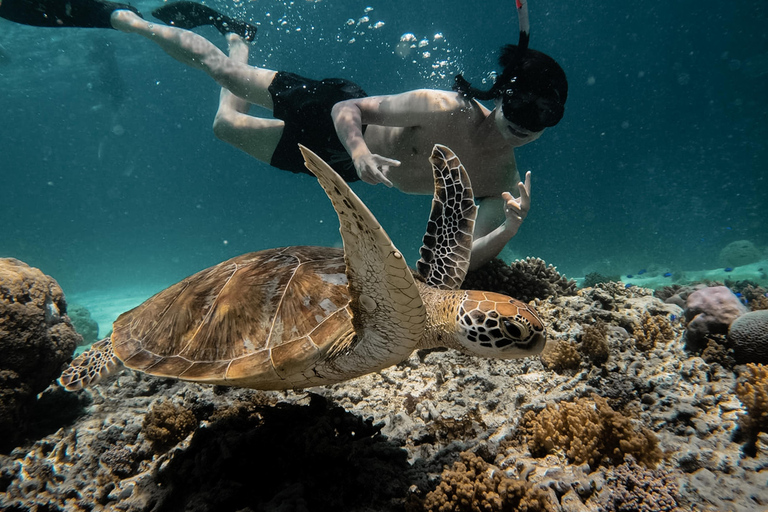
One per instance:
[(510, 59)]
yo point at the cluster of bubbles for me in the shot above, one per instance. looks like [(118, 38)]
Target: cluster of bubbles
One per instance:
[(359, 27), (432, 53)]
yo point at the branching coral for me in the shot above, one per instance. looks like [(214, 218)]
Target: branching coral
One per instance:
[(564, 356), (589, 430), (652, 329), (166, 424), (631, 487), (524, 280), (472, 484), (594, 342), (753, 393)]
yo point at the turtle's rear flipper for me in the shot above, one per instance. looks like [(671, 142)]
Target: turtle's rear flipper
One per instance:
[(190, 15), (93, 365)]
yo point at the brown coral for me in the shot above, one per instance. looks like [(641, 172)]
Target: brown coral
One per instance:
[(472, 484), (653, 329), (524, 280), (589, 430), (564, 356), (753, 393), (167, 423), (594, 342)]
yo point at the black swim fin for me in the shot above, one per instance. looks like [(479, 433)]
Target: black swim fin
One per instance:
[(58, 13), (191, 15)]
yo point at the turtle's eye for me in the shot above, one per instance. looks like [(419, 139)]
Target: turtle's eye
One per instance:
[(513, 331)]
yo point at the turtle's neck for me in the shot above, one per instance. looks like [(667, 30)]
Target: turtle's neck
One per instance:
[(441, 307)]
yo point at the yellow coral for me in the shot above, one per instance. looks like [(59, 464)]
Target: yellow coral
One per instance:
[(473, 485), (753, 393), (589, 430), (166, 424), (564, 356), (653, 329), (594, 342)]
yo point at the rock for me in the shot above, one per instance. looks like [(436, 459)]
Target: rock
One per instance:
[(83, 323), (711, 310), (36, 339), (741, 252)]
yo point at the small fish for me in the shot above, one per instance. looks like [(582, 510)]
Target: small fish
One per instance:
[(728, 269), (738, 294), (630, 276), (628, 285), (672, 318), (667, 274), (641, 272)]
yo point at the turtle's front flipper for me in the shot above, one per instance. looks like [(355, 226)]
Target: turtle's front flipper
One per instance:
[(190, 15), (447, 244), (91, 366), (387, 308)]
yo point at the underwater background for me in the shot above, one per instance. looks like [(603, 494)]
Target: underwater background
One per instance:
[(111, 178)]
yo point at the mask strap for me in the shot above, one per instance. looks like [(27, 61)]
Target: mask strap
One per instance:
[(462, 86)]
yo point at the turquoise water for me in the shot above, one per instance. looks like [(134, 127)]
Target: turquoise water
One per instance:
[(111, 176)]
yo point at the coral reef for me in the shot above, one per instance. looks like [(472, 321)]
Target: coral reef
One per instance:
[(594, 278), (473, 485), (753, 393), (562, 357), (393, 432), (652, 329), (167, 423), (524, 280), (589, 430), (710, 310), (738, 253), (748, 335), (633, 488), (83, 323), (36, 339), (594, 342)]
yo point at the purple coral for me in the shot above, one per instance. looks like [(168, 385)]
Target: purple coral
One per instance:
[(711, 311)]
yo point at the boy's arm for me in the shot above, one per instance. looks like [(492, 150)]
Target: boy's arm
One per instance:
[(413, 108), (498, 220)]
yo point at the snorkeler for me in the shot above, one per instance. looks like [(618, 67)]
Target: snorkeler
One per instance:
[(353, 131)]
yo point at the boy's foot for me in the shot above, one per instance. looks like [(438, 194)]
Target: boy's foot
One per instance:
[(190, 15)]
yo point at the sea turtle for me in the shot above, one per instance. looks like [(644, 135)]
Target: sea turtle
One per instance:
[(297, 317)]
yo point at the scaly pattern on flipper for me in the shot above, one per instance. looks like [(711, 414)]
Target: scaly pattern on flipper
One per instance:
[(385, 298), (91, 366), (447, 243)]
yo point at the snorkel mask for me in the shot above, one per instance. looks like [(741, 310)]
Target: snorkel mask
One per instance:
[(532, 88)]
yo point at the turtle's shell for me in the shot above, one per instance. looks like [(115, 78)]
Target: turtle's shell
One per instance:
[(259, 320)]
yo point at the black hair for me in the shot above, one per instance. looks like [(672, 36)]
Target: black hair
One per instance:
[(532, 86)]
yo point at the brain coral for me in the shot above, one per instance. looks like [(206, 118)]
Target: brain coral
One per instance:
[(589, 430), (711, 310), (749, 337), (473, 485), (740, 252)]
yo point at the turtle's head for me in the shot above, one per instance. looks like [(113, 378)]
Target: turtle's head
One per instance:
[(495, 325)]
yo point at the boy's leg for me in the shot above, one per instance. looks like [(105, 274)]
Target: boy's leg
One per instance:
[(254, 135), (248, 82)]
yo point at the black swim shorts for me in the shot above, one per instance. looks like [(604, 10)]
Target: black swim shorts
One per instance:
[(305, 107)]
